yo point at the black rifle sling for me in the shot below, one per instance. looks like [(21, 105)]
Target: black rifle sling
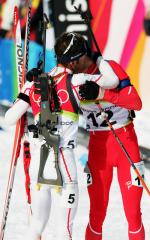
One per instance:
[(71, 94)]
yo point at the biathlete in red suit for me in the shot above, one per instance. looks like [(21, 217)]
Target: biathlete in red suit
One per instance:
[(105, 153)]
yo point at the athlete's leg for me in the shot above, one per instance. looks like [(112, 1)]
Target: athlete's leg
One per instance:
[(99, 196), (130, 186), (40, 199), (41, 204), (69, 194), (99, 189)]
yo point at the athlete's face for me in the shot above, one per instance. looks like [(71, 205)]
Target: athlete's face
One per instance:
[(81, 65)]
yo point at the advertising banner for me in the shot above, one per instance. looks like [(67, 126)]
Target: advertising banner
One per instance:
[(118, 27), (66, 19)]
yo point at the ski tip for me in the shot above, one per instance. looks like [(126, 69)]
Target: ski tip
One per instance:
[(16, 16)]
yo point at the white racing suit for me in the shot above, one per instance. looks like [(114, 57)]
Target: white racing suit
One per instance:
[(67, 129)]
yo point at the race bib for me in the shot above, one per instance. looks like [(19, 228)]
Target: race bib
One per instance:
[(88, 175), (89, 179), (134, 178), (69, 196)]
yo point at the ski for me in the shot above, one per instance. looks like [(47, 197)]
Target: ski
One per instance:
[(21, 63), (26, 144), (19, 47)]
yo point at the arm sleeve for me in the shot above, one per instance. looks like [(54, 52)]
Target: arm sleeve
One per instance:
[(16, 112), (127, 98), (118, 70), (20, 106), (109, 79)]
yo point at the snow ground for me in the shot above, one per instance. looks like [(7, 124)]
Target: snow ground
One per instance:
[(115, 226)]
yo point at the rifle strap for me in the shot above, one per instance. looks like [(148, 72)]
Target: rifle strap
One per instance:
[(71, 94)]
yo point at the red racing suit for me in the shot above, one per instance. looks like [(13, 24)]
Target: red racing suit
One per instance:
[(105, 153)]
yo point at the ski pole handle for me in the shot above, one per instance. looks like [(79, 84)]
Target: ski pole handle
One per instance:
[(44, 26)]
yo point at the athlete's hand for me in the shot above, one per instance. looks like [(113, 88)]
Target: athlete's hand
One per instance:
[(3, 33), (33, 74), (89, 90)]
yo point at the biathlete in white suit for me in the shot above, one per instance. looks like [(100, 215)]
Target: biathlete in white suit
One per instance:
[(71, 58)]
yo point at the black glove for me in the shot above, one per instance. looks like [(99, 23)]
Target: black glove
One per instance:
[(33, 74), (90, 53), (89, 90), (95, 56), (3, 33)]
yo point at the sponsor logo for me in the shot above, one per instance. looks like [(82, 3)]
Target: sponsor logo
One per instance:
[(128, 184), (19, 61), (66, 19)]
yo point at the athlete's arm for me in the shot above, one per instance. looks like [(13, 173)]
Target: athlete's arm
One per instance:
[(109, 78), (106, 80), (127, 98), (16, 112), (19, 107)]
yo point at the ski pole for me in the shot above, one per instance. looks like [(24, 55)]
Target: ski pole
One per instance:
[(124, 150), (18, 130), (12, 171), (87, 17), (25, 69)]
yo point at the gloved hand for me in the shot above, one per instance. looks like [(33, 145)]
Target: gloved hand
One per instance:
[(3, 33), (32, 75), (90, 53), (89, 90), (95, 56)]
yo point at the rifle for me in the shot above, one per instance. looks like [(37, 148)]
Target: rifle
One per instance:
[(48, 118)]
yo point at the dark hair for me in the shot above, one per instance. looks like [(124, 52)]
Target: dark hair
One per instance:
[(69, 47)]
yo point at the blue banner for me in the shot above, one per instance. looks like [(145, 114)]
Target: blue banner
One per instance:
[(8, 81)]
